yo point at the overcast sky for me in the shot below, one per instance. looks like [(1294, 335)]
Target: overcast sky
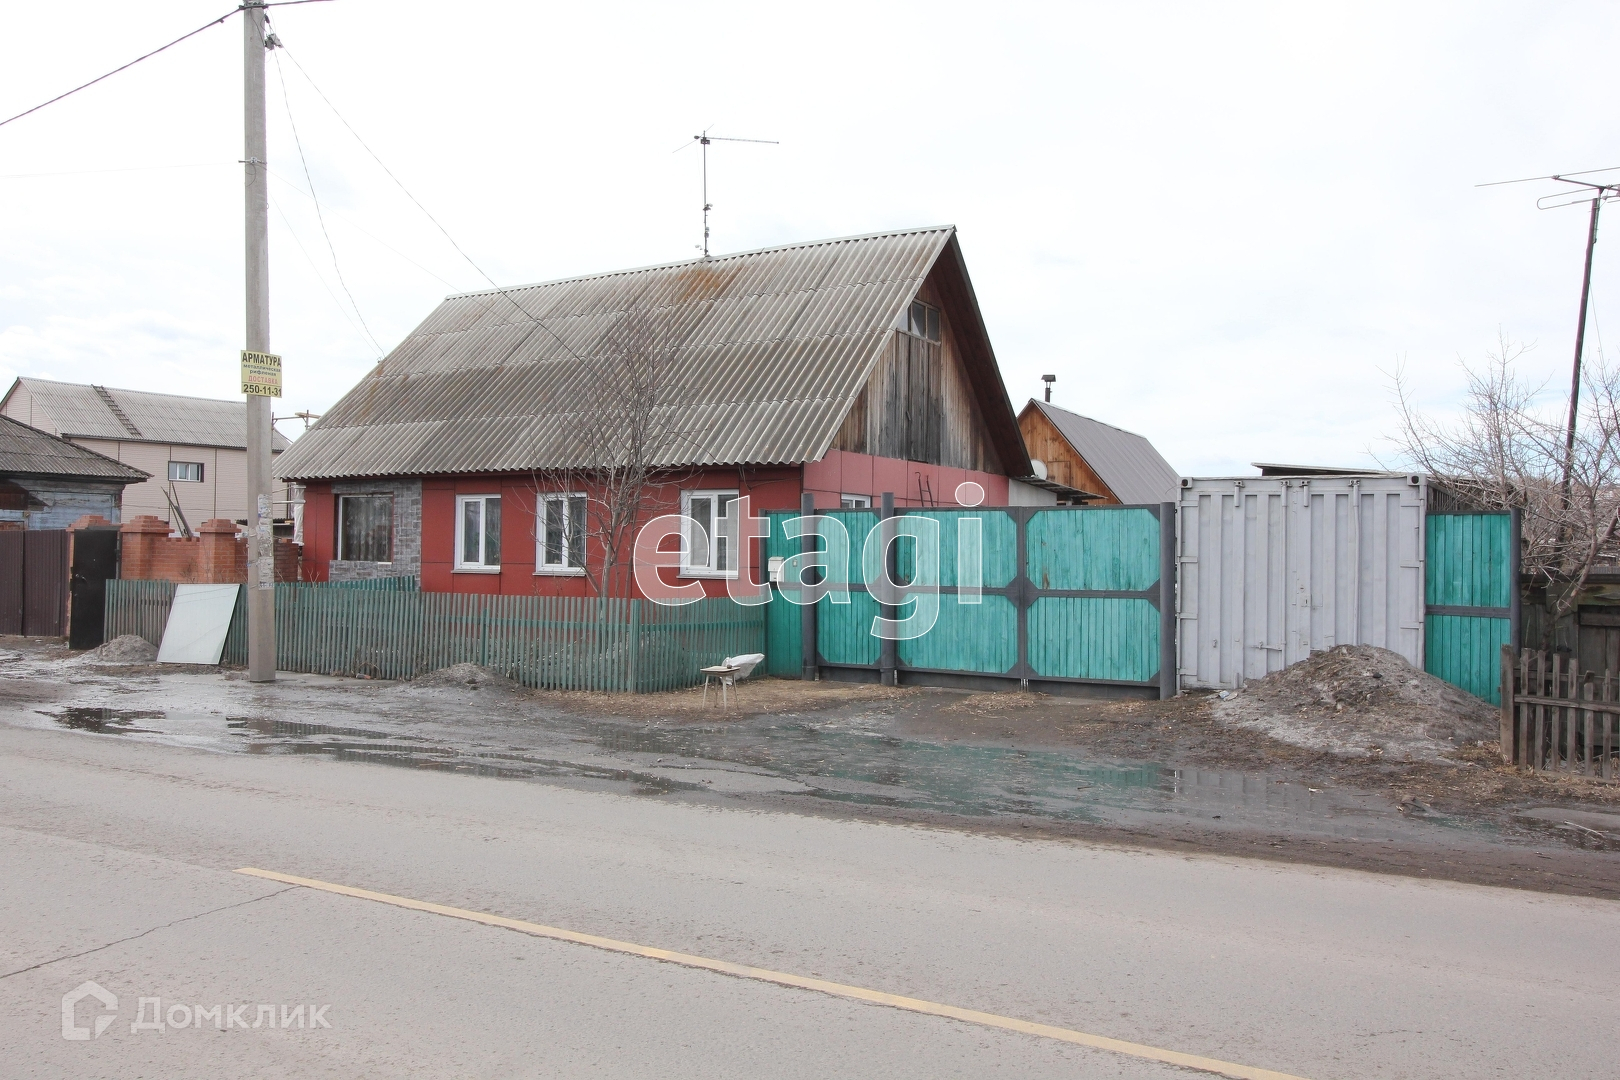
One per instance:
[(1218, 225)]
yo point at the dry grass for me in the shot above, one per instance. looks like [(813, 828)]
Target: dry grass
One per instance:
[(750, 698)]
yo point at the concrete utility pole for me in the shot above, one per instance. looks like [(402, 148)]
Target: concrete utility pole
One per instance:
[(261, 589)]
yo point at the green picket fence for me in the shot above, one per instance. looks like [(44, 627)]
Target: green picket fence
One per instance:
[(565, 643)]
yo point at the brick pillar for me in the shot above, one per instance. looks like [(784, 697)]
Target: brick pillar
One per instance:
[(289, 560), (217, 561), (91, 521), (138, 542)]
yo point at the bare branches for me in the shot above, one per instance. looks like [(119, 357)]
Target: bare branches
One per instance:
[(628, 440), (1507, 449)]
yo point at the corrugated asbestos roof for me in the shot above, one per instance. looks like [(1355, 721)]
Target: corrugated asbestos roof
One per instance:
[(769, 349), (1126, 461), (26, 451), (76, 410)]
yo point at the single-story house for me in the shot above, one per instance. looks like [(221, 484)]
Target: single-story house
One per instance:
[(49, 483), (192, 451), (473, 454), (1110, 465)]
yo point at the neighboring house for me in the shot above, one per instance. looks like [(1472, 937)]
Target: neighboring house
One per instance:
[(1110, 465), (840, 368), (49, 483), (193, 449)]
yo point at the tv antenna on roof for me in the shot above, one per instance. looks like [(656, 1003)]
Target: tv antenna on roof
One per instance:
[(1597, 194), (704, 139)]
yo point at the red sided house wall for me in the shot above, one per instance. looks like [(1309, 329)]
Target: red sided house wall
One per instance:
[(839, 474)]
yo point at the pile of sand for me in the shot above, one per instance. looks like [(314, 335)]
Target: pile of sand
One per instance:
[(1361, 701), (124, 649), (464, 677)]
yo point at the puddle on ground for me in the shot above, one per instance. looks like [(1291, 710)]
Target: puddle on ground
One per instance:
[(103, 720), (847, 759)]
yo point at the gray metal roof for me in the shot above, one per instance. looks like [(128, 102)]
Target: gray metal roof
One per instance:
[(77, 410), (26, 451), (769, 349), (1126, 461)]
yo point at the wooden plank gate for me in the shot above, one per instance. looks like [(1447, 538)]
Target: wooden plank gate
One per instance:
[(1070, 596), (34, 582), (1556, 719), (1471, 598)]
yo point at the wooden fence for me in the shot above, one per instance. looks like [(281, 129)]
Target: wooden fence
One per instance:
[(564, 643), (1557, 719)]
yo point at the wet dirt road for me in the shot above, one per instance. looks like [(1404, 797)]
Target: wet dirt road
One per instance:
[(119, 851)]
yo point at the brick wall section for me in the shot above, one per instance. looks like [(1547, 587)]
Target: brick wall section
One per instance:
[(216, 555)]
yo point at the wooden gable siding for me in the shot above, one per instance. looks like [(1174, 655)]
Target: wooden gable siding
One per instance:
[(918, 404), (1064, 465)]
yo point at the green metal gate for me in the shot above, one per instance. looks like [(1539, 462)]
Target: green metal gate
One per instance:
[(1069, 596), (1471, 598)]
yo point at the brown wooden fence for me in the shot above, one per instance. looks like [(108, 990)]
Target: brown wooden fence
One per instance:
[(565, 643), (1555, 718)]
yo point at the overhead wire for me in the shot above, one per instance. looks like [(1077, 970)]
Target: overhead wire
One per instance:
[(418, 203), (286, 101), (123, 67), (317, 270), (362, 230)]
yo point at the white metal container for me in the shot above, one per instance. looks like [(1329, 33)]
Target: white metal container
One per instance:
[(1275, 568)]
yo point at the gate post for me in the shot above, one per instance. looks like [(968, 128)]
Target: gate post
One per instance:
[(889, 649), (1169, 675), (809, 666)]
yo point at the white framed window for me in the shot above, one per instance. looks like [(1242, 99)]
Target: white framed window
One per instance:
[(854, 502), (478, 533), (710, 549), (190, 472), (559, 540)]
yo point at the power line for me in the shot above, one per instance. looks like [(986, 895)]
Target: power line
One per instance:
[(363, 231), (125, 67), (298, 142), (400, 184), (154, 52), (133, 168), (317, 270)]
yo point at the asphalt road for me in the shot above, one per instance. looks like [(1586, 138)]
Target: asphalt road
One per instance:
[(117, 863)]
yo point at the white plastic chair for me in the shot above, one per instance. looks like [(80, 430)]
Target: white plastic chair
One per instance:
[(728, 671)]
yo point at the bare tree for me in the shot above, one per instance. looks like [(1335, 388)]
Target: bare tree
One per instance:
[(627, 441), (1508, 450)]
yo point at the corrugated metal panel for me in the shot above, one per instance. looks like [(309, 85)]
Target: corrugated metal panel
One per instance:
[(770, 349), (1127, 462), (76, 410), (1273, 569), (27, 452)]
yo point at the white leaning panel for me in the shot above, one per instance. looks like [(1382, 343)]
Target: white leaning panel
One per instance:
[(198, 623)]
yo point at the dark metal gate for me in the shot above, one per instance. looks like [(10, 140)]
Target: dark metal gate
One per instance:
[(95, 559)]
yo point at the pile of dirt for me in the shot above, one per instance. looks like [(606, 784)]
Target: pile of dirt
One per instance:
[(1361, 701), (124, 649), (464, 677)]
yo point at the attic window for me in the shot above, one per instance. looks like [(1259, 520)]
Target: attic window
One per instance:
[(922, 320)]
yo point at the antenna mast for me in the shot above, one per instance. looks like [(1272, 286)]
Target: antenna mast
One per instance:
[(703, 140)]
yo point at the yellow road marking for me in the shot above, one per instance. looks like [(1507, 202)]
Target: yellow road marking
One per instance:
[(858, 993)]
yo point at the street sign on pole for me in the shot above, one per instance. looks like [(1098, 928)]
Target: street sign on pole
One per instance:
[(261, 374)]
